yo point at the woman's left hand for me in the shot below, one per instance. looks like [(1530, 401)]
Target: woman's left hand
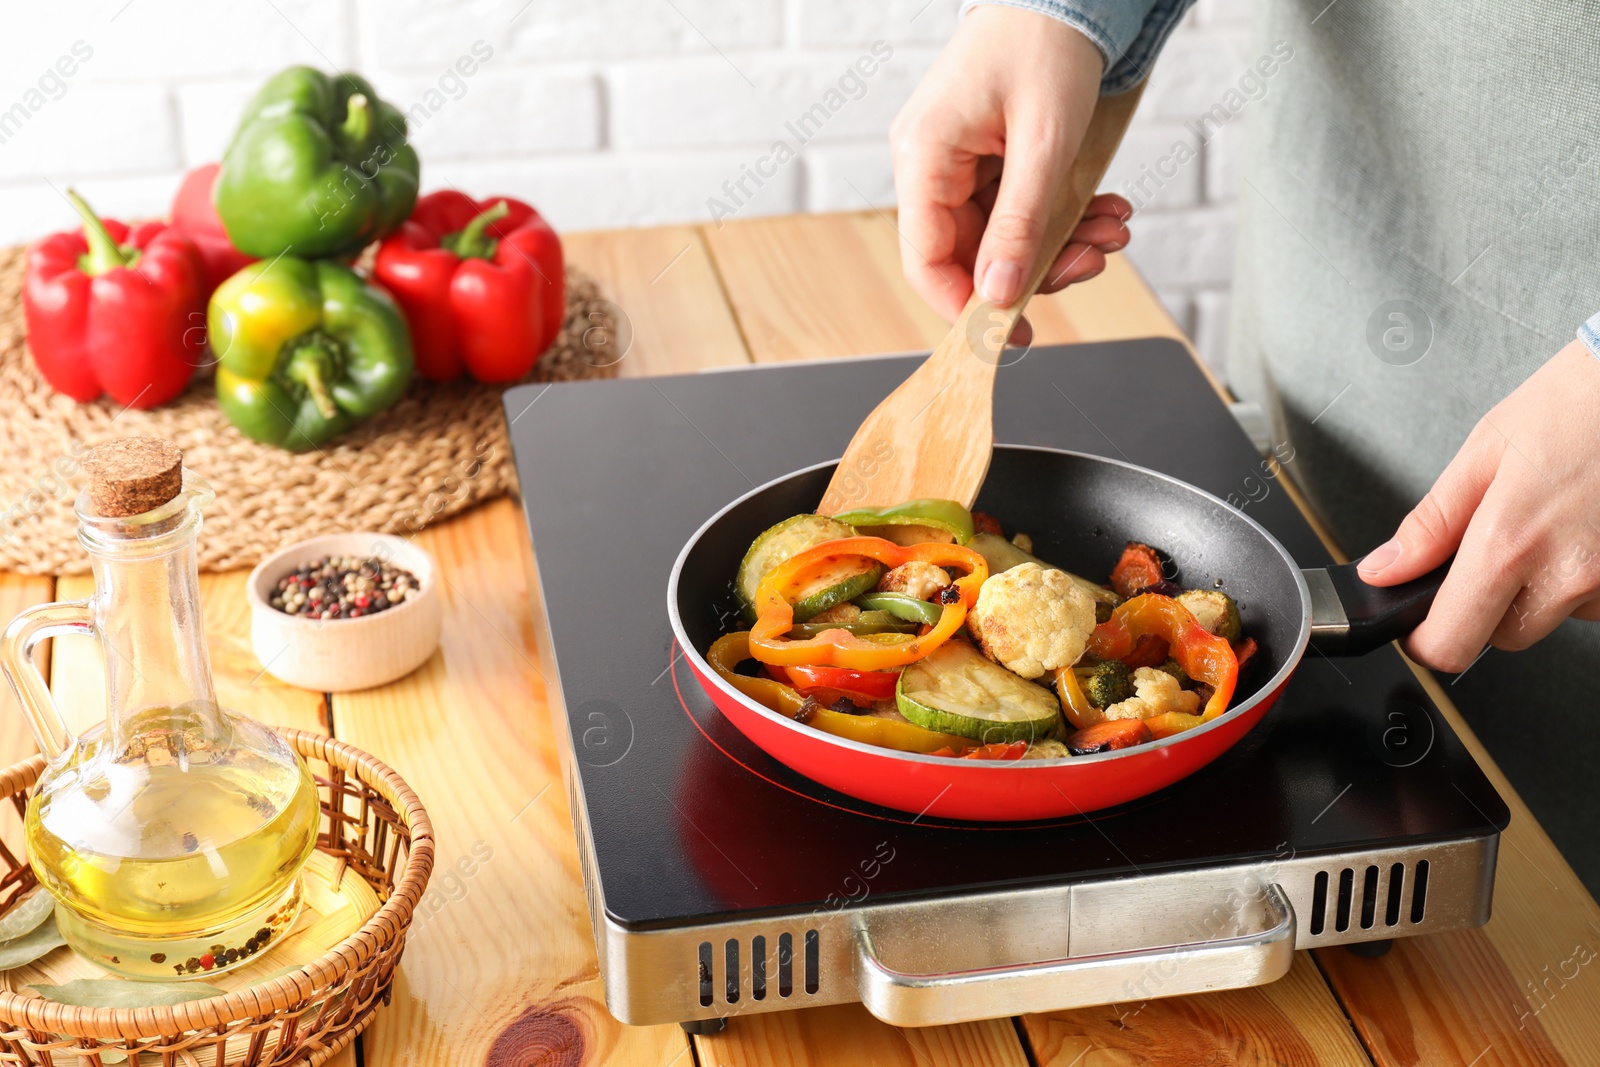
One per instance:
[(1519, 506)]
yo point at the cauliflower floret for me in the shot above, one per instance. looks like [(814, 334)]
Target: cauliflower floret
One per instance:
[(1156, 693), (918, 578), (846, 612), (1032, 619)]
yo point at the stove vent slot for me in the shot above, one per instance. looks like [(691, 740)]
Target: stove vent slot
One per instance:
[(762, 965), (1367, 897), (590, 878)]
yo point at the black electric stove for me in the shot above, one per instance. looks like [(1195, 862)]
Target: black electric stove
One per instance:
[(720, 882)]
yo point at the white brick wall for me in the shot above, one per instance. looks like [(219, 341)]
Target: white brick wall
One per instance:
[(604, 112)]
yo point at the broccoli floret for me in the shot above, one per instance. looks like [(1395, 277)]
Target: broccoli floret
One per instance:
[(1106, 683), (1215, 610), (1174, 668)]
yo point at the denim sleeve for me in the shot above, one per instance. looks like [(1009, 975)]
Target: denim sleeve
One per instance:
[(1589, 334), (1128, 33)]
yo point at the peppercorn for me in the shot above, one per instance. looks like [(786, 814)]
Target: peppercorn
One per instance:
[(338, 587)]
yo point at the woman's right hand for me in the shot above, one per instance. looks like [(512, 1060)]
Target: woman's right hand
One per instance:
[(979, 152)]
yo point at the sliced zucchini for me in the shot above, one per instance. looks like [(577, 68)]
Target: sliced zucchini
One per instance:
[(958, 690), (787, 539), (1002, 555), (841, 580)]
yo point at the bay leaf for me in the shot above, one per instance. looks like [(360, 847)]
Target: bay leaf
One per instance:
[(30, 946), (24, 918), (121, 993)]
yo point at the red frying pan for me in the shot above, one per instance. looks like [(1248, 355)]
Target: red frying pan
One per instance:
[(1079, 510)]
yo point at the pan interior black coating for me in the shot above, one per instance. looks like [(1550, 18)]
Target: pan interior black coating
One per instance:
[(1080, 511)]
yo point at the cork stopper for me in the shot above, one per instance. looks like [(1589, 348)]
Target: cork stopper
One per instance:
[(133, 475)]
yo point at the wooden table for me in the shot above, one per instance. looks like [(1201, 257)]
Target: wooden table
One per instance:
[(503, 969)]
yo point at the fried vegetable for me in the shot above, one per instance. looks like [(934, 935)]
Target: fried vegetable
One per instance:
[(985, 523), (1174, 668), (1074, 705), (947, 516), (1172, 722), (1138, 569), (1032, 619), (1002, 555), (1215, 610), (956, 690), (1150, 650), (1109, 737), (1106, 683)]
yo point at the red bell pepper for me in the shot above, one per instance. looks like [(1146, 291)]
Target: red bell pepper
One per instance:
[(860, 687), (194, 214), (117, 311), (482, 284)]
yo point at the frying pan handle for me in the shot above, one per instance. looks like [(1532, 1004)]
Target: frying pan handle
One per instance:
[(1351, 618), (949, 996)]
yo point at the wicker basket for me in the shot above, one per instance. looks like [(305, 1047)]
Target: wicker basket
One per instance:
[(377, 830)]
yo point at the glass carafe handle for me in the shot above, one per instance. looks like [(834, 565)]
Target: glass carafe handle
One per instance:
[(32, 625)]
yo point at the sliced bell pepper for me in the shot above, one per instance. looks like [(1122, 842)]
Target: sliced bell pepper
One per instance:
[(482, 284), (947, 515), (728, 651), (998, 750), (769, 640), (306, 349), (872, 685), (1206, 657), (901, 606), (1171, 722), (1074, 701), (115, 310), (869, 622)]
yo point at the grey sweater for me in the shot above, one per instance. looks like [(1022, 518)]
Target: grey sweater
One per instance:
[(1419, 231)]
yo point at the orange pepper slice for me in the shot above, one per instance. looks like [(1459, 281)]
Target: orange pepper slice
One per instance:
[(774, 604), (1205, 656)]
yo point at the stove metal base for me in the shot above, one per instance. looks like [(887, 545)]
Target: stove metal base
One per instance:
[(958, 958)]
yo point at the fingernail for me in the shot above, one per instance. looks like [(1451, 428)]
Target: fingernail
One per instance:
[(1378, 560), (1002, 280)]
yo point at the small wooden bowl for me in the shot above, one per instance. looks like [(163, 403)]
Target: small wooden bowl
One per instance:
[(378, 831), (337, 655)]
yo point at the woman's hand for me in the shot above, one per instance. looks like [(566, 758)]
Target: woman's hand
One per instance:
[(1520, 508), (1012, 87)]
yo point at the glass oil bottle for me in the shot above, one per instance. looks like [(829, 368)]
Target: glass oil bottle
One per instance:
[(173, 834)]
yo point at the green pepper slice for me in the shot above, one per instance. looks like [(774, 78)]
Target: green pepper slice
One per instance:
[(945, 515), (900, 606)]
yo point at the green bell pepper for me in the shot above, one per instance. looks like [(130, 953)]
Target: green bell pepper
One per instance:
[(946, 515), (319, 166), (306, 349), (901, 607)]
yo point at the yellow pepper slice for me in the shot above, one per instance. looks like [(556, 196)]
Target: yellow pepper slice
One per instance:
[(731, 650)]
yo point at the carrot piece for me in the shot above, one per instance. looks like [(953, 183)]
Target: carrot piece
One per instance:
[(1245, 650), (1109, 736), (1139, 568)]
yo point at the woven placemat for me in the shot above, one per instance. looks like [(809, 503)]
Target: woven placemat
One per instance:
[(440, 450)]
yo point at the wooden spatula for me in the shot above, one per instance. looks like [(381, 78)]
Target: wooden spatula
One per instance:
[(933, 436)]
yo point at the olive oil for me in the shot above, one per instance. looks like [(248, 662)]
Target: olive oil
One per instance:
[(173, 834), (180, 844)]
